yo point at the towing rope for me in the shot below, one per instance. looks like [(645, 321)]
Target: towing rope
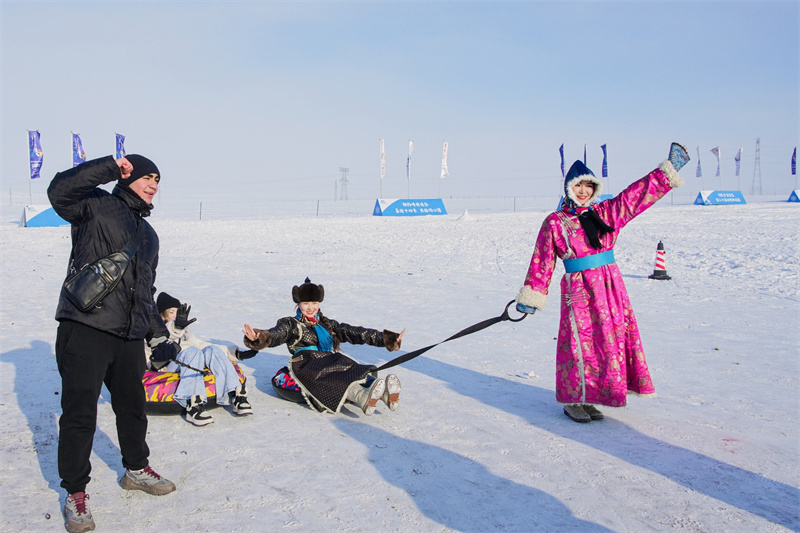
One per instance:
[(467, 331)]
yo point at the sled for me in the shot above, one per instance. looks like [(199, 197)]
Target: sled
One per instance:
[(286, 387), (159, 388)]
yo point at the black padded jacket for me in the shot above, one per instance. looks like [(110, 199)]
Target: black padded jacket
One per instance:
[(103, 223)]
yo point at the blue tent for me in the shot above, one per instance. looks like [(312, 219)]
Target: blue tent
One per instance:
[(40, 216)]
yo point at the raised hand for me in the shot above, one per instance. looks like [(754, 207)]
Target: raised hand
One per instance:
[(678, 156), (182, 318)]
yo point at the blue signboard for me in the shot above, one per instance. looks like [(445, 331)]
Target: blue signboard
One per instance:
[(408, 207), (719, 198)]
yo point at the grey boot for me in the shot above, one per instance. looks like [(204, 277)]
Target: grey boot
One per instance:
[(576, 413), (593, 412), (366, 398), (391, 396)]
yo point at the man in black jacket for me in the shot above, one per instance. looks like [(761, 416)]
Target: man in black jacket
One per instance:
[(104, 345)]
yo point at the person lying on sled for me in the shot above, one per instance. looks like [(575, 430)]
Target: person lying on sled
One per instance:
[(326, 377), (195, 356)]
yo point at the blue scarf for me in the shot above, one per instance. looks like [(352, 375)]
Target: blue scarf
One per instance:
[(324, 339)]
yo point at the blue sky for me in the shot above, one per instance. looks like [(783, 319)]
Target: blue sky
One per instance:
[(261, 99)]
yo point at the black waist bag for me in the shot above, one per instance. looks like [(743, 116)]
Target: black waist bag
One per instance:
[(87, 287)]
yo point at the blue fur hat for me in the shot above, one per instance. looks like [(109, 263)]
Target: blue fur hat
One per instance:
[(579, 172)]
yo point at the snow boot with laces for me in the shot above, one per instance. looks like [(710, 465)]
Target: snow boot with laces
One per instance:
[(77, 514), (147, 480)]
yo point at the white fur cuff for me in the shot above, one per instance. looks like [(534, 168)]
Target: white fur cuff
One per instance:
[(675, 180), (531, 298)]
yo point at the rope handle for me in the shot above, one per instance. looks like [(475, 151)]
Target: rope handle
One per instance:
[(505, 314)]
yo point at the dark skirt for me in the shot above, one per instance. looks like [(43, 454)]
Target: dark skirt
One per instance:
[(324, 377)]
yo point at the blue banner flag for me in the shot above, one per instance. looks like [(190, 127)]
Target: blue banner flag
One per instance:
[(78, 155), (561, 151), (36, 154), (738, 160), (120, 144), (605, 162), (584, 154), (794, 161), (699, 170)]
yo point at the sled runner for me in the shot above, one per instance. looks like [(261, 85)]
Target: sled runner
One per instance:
[(159, 388)]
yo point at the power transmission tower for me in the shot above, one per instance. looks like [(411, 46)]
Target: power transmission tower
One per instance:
[(756, 189), (343, 181)]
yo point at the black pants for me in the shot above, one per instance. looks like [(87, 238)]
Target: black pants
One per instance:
[(86, 359)]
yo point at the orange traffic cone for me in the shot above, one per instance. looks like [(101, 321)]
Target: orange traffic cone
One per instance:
[(660, 271)]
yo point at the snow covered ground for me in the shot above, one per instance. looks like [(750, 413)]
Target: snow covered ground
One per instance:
[(479, 442)]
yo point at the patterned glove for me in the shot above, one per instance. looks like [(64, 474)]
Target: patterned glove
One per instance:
[(182, 318), (678, 156), (525, 309)]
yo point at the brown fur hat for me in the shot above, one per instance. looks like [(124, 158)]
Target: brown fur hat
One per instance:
[(308, 292)]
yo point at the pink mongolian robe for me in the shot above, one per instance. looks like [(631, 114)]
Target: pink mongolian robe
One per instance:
[(599, 356)]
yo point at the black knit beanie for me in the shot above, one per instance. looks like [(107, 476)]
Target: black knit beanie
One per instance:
[(141, 167), (165, 301)]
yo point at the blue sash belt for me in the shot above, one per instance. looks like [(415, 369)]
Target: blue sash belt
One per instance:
[(312, 347), (590, 261)]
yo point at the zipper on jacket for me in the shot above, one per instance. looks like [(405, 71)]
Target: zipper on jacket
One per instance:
[(130, 309), (132, 300)]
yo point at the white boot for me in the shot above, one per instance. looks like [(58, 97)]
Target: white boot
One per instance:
[(366, 398), (391, 396), (196, 412), (241, 406)]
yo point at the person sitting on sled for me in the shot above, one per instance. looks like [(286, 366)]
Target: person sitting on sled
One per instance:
[(599, 355), (195, 356), (326, 376)]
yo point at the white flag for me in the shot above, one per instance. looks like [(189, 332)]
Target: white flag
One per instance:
[(444, 161), (383, 161), (408, 161), (715, 151)]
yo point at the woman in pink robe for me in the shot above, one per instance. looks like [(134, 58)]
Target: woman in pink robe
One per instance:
[(599, 355)]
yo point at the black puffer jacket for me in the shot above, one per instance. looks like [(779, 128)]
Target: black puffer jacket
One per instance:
[(103, 223)]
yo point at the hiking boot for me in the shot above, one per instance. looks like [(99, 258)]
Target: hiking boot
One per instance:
[(147, 480), (241, 406), (196, 412), (77, 513), (391, 396), (593, 412), (577, 413), (367, 398)]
